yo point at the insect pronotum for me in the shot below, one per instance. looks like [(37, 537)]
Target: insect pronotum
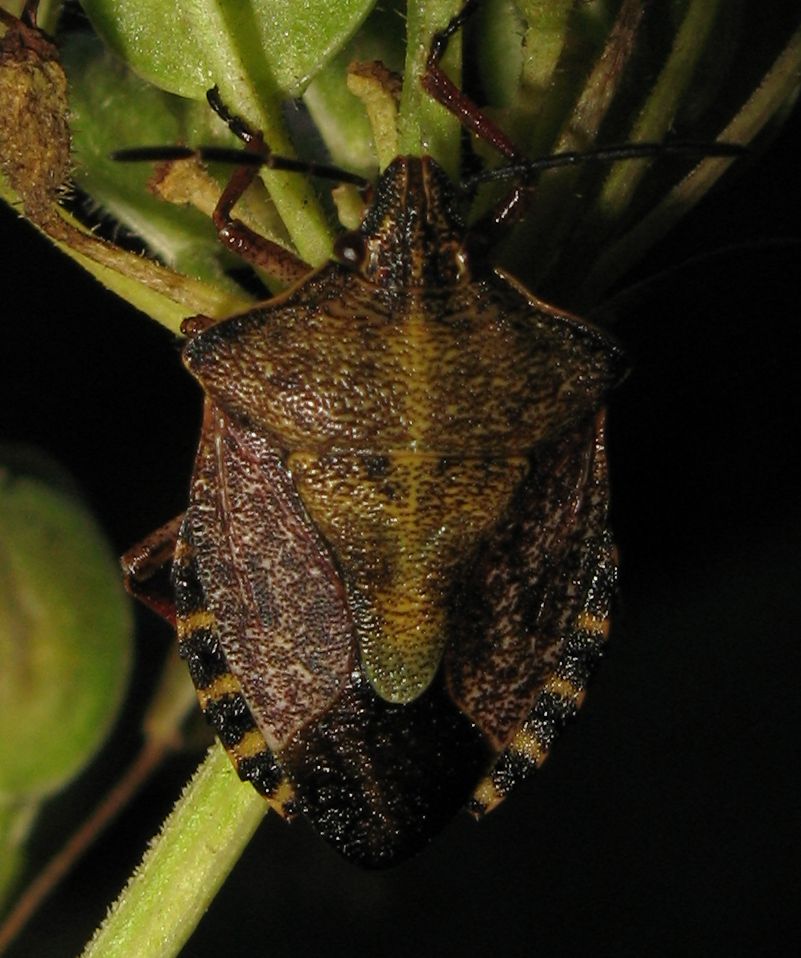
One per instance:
[(395, 570)]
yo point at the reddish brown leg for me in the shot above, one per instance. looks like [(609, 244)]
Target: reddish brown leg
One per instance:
[(509, 210), (29, 12), (27, 15), (239, 238), (259, 250), (146, 569), (444, 91)]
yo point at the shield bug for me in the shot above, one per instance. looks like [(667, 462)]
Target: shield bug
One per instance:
[(395, 569)]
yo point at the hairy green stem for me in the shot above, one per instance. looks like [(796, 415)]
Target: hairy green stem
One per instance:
[(184, 867)]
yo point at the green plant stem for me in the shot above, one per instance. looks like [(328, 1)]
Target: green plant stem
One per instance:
[(780, 83), (425, 126), (241, 79), (53, 873), (657, 114), (166, 296), (173, 699), (558, 202), (184, 867), (16, 820), (546, 33)]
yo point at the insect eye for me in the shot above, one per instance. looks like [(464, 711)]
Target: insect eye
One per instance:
[(350, 248)]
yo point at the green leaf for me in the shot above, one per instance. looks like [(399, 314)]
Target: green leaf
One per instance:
[(243, 50), (111, 109), (177, 48), (339, 115), (426, 126)]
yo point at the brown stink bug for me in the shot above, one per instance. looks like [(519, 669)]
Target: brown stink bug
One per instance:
[(395, 570)]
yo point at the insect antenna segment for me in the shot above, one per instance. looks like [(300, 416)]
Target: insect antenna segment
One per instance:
[(604, 154)]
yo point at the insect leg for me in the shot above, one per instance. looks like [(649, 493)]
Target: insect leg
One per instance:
[(146, 569), (27, 15), (436, 83), (239, 238), (254, 143), (258, 250)]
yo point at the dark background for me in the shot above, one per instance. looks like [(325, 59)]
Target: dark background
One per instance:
[(666, 820)]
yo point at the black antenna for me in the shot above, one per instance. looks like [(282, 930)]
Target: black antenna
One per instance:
[(604, 154), (225, 154)]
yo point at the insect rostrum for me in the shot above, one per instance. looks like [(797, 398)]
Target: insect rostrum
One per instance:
[(394, 572)]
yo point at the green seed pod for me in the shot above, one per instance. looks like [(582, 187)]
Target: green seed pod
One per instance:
[(65, 634)]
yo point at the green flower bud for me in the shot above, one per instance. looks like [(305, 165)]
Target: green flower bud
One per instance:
[(65, 634)]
